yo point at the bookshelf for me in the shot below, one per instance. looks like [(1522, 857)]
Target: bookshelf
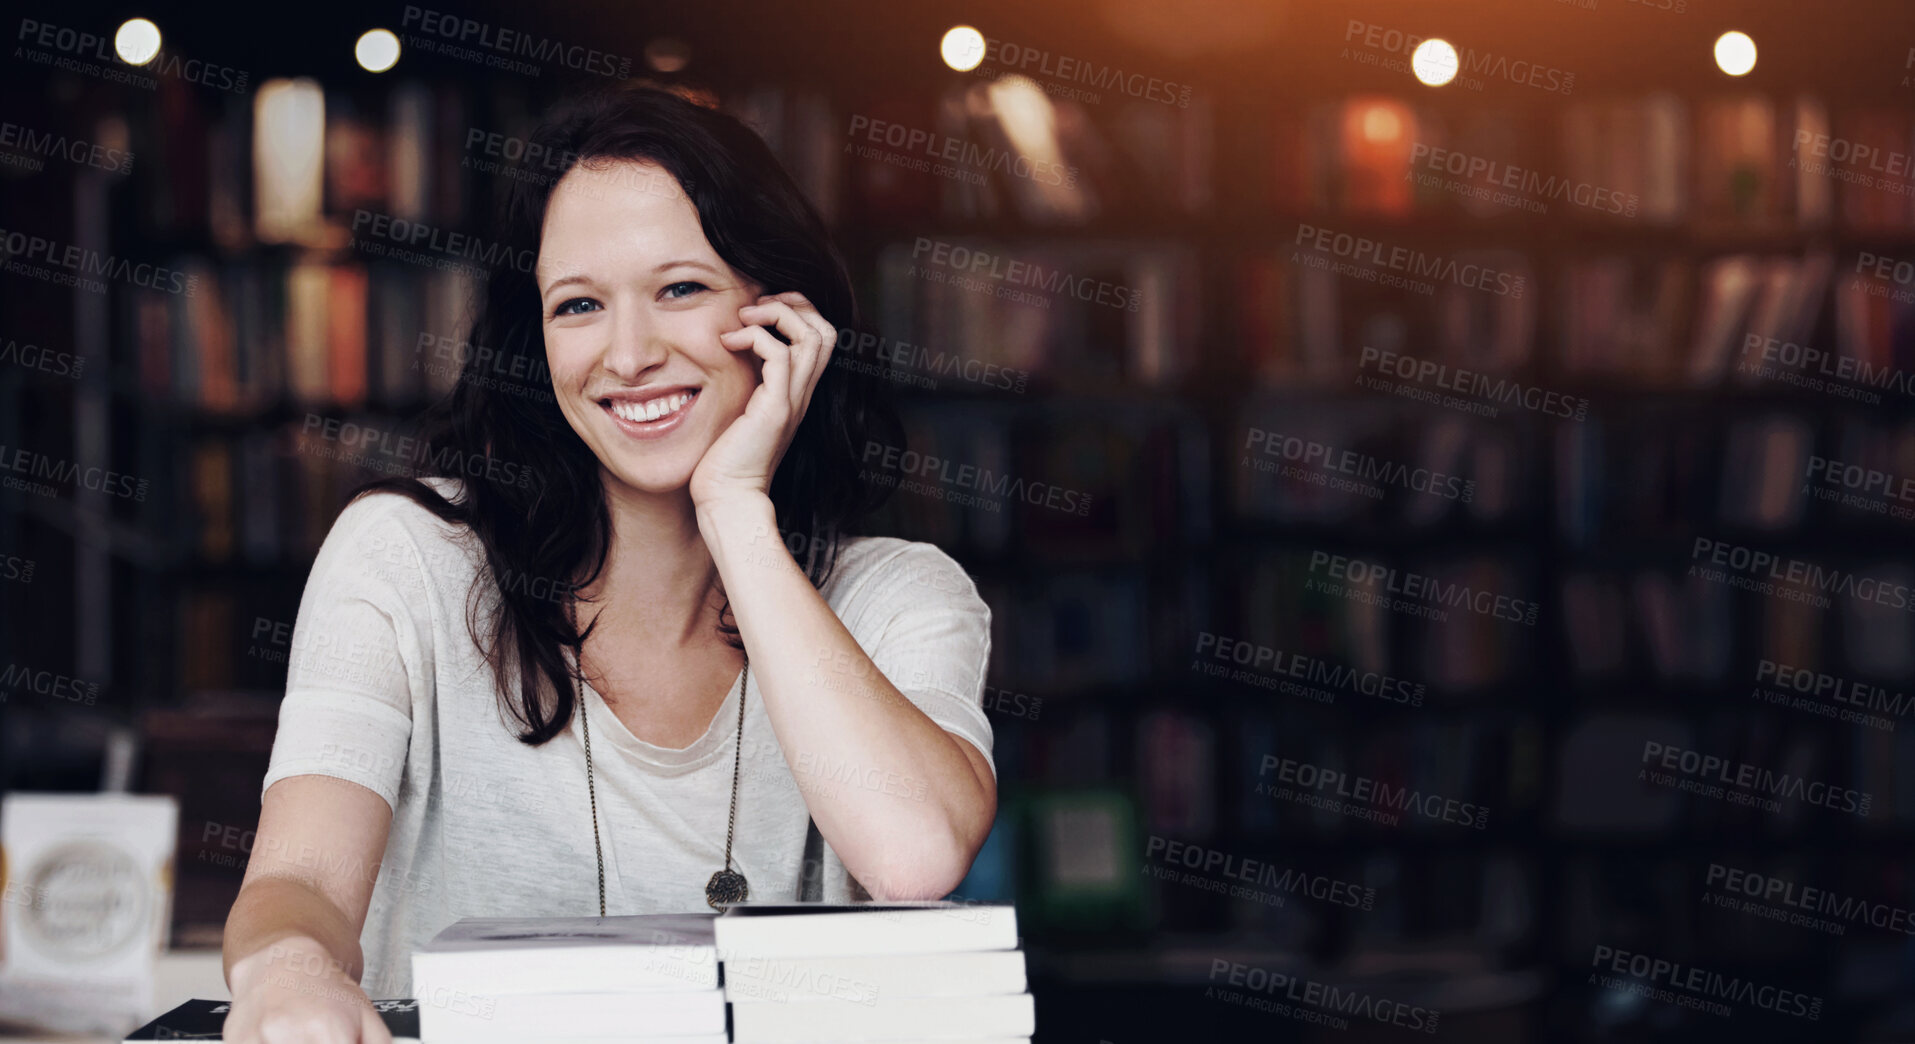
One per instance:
[(1640, 321)]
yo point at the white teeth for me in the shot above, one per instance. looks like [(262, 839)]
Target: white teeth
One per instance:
[(652, 409)]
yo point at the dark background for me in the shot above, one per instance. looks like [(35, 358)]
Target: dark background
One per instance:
[(1112, 740)]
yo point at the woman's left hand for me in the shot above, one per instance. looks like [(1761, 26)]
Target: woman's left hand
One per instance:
[(743, 458)]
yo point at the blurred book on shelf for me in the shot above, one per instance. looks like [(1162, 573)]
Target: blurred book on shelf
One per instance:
[(1862, 154), (309, 334), (1086, 843)]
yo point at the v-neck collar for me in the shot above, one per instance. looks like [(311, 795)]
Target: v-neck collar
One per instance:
[(669, 760)]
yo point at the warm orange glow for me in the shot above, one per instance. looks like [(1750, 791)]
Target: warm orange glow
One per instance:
[(1378, 133), (1381, 123)]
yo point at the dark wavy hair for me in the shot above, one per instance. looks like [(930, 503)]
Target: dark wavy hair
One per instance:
[(547, 520)]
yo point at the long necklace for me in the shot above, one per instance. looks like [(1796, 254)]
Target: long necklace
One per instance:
[(726, 885)]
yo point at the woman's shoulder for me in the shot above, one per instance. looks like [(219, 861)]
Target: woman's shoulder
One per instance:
[(886, 570), (393, 528)]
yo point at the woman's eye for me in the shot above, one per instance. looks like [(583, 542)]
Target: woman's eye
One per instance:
[(568, 309), (688, 287)]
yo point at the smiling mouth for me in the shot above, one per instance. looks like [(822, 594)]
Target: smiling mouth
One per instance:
[(650, 411)]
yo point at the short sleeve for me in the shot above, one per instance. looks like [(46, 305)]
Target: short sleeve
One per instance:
[(359, 650), (933, 639)]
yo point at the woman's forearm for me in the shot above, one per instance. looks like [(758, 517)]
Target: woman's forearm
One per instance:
[(283, 923), (904, 803)]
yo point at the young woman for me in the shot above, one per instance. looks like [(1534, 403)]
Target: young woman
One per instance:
[(576, 666)]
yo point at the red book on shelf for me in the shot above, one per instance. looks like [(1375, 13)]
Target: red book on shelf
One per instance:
[(881, 177), (1377, 133), (183, 202), (153, 320), (346, 334), (1176, 752), (355, 163), (206, 651), (1288, 144), (1862, 322), (1884, 204), (1263, 343), (209, 324)]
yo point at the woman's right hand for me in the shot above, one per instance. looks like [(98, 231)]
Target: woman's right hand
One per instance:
[(292, 939), (294, 992)]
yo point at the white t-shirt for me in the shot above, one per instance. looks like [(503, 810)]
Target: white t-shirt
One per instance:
[(386, 688)]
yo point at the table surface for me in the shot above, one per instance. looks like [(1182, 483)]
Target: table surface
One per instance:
[(180, 976)]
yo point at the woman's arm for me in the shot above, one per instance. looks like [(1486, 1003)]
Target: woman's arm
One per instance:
[(832, 709), (834, 712), (292, 939), (360, 649), (315, 859)]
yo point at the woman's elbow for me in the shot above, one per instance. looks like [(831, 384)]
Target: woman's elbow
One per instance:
[(902, 880), (930, 857), (931, 868)]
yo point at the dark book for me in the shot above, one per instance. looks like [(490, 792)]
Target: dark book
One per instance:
[(206, 1020)]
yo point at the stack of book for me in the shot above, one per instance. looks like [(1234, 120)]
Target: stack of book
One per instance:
[(651, 978), (892, 972)]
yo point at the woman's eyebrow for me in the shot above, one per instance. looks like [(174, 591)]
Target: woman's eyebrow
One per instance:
[(576, 277), (580, 277)]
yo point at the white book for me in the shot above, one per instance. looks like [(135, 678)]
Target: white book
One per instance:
[(873, 980), (950, 1018), (88, 895), (889, 1040), (504, 956), (717, 1037), (862, 929), (695, 1038), (641, 1015)]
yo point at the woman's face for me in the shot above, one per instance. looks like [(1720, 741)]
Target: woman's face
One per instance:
[(633, 300)]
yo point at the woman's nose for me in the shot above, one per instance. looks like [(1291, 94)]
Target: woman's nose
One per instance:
[(637, 344)]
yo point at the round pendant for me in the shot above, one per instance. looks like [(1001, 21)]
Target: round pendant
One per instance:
[(726, 886)]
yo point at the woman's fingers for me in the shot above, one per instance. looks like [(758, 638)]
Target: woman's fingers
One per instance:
[(777, 357), (305, 1027), (803, 349), (812, 339), (810, 314), (828, 335)]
